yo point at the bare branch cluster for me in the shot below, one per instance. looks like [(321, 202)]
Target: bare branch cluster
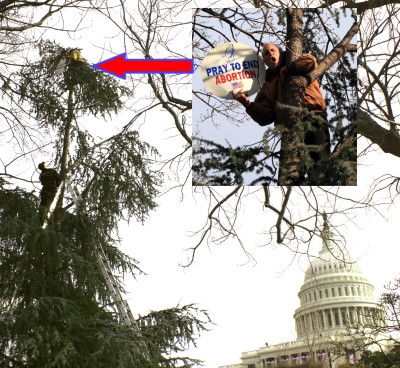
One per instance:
[(152, 29), (291, 217)]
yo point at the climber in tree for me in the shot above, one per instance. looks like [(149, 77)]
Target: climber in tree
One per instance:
[(50, 180), (74, 68), (71, 58), (264, 110), (71, 64)]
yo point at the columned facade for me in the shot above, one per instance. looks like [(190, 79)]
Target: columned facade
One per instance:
[(335, 295)]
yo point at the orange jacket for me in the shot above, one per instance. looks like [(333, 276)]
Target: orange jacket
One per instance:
[(264, 110)]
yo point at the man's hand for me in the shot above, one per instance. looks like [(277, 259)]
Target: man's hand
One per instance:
[(241, 97)]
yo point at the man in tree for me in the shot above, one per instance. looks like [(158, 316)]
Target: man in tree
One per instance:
[(75, 55), (75, 73), (266, 107), (50, 181), (71, 58)]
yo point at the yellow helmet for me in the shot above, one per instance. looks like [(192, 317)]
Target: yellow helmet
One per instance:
[(75, 54)]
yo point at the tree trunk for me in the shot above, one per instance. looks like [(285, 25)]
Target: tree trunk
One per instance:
[(58, 212), (290, 165), (67, 132)]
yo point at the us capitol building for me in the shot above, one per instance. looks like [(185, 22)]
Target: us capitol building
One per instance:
[(335, 295)]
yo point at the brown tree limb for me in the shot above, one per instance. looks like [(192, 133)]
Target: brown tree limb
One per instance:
[(213, 13), (338, 51), (214, 221), (281, 214), (372, 4), (360, 6), (352, 47), (387, 140)]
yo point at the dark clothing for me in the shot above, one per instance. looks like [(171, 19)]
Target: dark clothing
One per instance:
[(50, 182), (319, 135), (46, 199)]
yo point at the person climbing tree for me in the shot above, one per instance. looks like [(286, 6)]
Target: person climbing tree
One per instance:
[(50, 180), (71, 58), (266, 110)]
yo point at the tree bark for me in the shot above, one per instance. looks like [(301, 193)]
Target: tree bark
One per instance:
[(386, 139), (338, 51), (372, 4), (360, 6), (290, 163), (292, 166), (67, 133), (58, 212)]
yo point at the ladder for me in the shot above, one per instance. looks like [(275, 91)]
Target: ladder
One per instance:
[(124, 311)]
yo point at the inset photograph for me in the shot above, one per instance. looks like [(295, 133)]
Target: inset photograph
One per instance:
[(274, 97)]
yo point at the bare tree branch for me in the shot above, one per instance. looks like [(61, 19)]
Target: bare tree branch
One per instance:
[(387, 140), (338, 51)]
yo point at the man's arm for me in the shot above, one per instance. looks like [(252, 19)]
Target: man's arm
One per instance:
[(305, 64), (260, 110)]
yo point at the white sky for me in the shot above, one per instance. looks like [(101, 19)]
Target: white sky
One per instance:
[(250, 304)]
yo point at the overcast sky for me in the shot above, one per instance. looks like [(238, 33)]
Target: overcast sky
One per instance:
[(253, 303), (250, 303)]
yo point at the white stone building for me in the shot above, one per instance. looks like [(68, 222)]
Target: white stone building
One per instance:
[(335, 295)]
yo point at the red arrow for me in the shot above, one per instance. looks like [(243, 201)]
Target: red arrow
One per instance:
[(119, 66)]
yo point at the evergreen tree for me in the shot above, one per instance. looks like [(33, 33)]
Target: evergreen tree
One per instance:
[(55, 307), (379, 359), (228, 166)]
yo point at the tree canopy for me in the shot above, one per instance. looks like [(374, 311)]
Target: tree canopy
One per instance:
[(379, 359), (56, 308)]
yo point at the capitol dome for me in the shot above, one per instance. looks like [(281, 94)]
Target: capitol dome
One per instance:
[(335, 293), (331, 259)]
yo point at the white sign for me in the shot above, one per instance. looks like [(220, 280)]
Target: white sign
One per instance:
[(232, 66)]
